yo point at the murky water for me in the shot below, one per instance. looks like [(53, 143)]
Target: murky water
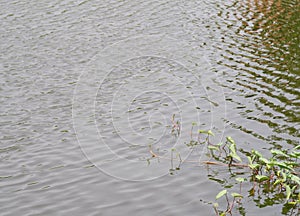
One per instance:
[(87, 86)]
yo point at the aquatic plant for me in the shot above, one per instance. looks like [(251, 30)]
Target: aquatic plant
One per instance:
[(276, 176)]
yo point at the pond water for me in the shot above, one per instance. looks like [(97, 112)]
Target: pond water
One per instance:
[(89, 87)]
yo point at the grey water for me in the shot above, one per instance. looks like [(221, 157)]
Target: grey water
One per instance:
[(89, 87)]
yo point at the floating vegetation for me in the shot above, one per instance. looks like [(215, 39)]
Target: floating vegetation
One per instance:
[(175, 126), (273, 179), (276, 177)]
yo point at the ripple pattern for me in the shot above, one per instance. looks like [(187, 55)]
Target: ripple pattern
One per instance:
[(253, 50), (258, 57)]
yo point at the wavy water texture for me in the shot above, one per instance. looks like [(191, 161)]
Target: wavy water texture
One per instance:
[(253, 51), (259, 57)]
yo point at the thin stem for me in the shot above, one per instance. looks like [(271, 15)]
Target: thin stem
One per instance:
[(231, 206), (172, 159), (227, 201), (216, 211)]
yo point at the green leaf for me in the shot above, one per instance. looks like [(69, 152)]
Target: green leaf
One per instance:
[(210, 133), (288, 192), (232, 148), (203, 131), (278, 181), (221, 193), (219, 144), (194, 123), (271, 163), (256, 153), (233, 153), (283, 165), (297, 147), (251, 191), (291, 163), (295, 179), (241, 179), (295, 154), (211, 147), (235, 156), (266, 161), (283, 176), (254, 166), (236, 195), (249, 159), (229, 139), (262, 178), (223, 214), (278, 152)]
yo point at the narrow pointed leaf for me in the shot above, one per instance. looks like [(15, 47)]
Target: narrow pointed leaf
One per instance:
[(254, 166), (283, 165), (249, 159), (240, 179), (278, 152), (211, 147), (278, 181), (232, 148), (235, 156), (283, 176), (261, 178), (256, 153), (295, 154), (210, 133), (266, 161), (229, 139), (237, 195), (203, 131), (221, 193), (219, 144), (288, 192), (295, 179), (297, 147)]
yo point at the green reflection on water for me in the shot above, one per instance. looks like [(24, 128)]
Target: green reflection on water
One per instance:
[(262, 51)]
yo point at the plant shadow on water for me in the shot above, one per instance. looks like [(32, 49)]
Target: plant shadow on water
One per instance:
[(249, 175)]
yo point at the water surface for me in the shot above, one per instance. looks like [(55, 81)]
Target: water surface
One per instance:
[(230, 66)]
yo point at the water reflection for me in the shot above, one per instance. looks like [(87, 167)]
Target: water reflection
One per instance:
[(45, 48), (260, 51)]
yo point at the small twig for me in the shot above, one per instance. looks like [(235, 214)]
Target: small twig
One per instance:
[(224, 164)]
